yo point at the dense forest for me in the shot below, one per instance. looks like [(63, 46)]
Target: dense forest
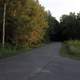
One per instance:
[(27, 24)]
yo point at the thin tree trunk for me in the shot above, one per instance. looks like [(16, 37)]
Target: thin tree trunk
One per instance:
[(4, 18)]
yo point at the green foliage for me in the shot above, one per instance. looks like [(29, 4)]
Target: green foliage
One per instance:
[(71, 49), (7, 52), (67, 29), (70, 26), (26, 23), (10, 50), (53, 30)]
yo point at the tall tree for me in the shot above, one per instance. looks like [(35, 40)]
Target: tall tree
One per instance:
[(25, 22), (69, 26), (4, 19), (53, 29)]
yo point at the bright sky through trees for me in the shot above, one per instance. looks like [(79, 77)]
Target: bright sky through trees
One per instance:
[(59, 7)]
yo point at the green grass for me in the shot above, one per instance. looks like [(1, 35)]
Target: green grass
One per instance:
[(6, 52), (9, 50), (71, 49)]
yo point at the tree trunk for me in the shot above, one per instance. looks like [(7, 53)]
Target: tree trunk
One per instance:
[(4, 18)]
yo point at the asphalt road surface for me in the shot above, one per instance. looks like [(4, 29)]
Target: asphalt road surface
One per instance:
[(41, 64)]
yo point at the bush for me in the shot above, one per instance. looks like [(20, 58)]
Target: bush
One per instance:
[(71, 48)]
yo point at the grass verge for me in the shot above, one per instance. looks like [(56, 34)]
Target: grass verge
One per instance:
[(8, 52), (13, 51), (71, 49)]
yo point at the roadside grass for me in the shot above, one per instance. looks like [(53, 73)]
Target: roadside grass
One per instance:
[(9, 50), (71, 49)]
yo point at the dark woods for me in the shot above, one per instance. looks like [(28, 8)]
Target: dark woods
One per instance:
[(67, 29)]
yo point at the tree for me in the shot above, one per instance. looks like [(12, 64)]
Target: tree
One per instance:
[(68, 24), (54, 28), (25, 22), (4, 18)]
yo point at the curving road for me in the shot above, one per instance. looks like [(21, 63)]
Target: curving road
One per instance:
[(41, 64)]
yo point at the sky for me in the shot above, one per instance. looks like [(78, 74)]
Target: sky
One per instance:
[(60, 7)]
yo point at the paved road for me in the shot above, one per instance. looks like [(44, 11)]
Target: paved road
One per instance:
[(42, 64)]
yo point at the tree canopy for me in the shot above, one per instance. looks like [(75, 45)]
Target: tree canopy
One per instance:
[(70, 26), (25, 22)]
